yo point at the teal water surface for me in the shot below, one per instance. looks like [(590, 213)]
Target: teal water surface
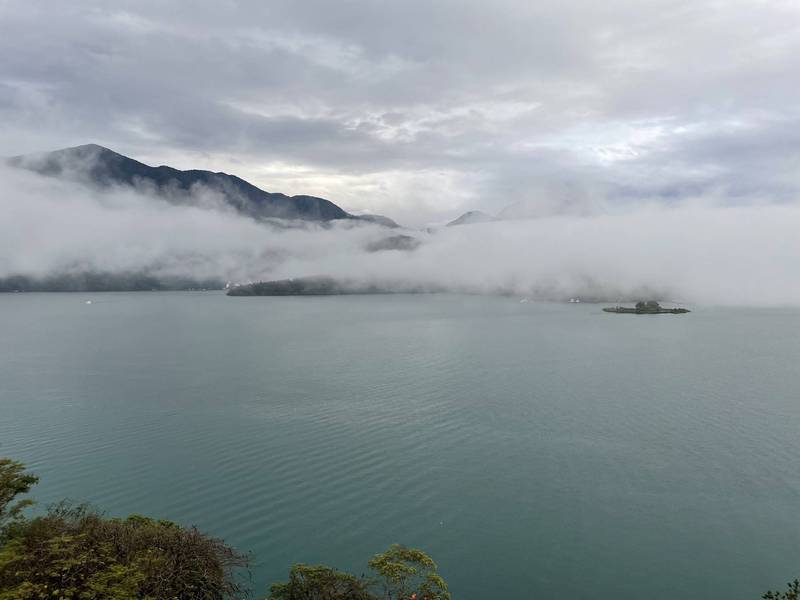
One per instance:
[(534, 450)]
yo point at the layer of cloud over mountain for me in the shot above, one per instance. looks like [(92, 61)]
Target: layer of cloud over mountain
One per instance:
[(694, 251)]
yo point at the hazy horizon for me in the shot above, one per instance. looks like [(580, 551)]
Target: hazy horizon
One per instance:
[(692, 251)]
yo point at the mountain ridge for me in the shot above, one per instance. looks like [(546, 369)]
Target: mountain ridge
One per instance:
[(98, 165), (470, 217)]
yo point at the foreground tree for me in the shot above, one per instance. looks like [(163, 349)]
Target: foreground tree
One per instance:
[(318, 582), (792, 592), (75, 552), (408, 573), (14, 481), (400, 574)]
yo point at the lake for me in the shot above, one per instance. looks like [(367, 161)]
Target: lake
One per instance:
[(533, 450)]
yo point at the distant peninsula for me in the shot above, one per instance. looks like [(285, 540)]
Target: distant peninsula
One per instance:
[(327, 286), (104, 281)]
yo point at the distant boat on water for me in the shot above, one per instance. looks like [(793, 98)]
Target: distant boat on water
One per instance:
[(651, 307)]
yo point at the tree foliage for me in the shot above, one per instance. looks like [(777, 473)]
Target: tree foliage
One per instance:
[(408, 573), (318, 582), (400, 573), (14, 481), (792, 592), (75, 552)]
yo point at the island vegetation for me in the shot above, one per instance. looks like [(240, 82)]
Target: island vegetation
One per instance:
[(75, 552), (649, 307)]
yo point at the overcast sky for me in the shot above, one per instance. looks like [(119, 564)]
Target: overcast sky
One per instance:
[(423, 109)]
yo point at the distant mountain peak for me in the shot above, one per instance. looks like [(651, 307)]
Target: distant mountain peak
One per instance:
[(90, 146), (379, 220), (82, 150), (470, 217)]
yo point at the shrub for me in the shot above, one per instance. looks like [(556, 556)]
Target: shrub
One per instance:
[(75, 552), (14, 481), (792, 592), (400, 574)]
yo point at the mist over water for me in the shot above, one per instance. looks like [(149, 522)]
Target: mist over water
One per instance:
[(694, 251)]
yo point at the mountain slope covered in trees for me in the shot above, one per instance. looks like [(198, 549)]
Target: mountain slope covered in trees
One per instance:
[(100, 166)]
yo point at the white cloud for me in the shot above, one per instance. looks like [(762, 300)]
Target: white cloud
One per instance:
[(696, 251)]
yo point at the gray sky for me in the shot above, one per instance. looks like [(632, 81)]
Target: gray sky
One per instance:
[(420, 110)]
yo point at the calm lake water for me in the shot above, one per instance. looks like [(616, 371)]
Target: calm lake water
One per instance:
[(534, 450)]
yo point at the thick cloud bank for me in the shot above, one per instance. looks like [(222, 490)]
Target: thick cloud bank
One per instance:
[(694, 252)]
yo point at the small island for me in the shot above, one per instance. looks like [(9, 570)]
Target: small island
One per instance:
[(651, 307)]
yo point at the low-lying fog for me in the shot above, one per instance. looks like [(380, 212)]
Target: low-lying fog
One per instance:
[(693, 252)]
